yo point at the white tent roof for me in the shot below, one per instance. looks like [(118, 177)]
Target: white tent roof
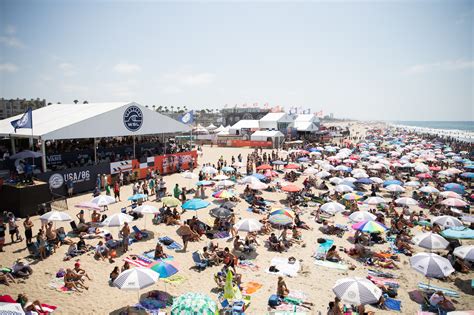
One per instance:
[(305, 126), (94, 120), (246, 123), (267, 133), (280, 117), (211, 127), (306, 118), (220, 128)]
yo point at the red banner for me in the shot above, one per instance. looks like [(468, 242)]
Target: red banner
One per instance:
[(165, 164), (250, 143)]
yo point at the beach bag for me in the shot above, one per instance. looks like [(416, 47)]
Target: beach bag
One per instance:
[(273, 269), (167, 241), (274, 300), (61, 273)]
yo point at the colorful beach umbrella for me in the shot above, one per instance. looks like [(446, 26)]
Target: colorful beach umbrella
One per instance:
[(450, 194), (369, 226), (291, 188), (223, 194), (429, 190), (194, 303), (353, 196), (170, 201), (454, 187), (165, 267), (195, 204), (280, 219)]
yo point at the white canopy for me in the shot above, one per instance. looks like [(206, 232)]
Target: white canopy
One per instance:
[(94, 120), (305, 126), (263, 135)]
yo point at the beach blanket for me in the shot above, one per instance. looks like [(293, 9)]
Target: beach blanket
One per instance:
[(222, 234), (323, 248), (288, 306), (250, 288), (139, 261), (377, 273), (151, 255), (248, 264), (392, 304), (425, 287), (175, 279), (173, 244), (284, 268), (384, 281), (58, 285), (330, 264)]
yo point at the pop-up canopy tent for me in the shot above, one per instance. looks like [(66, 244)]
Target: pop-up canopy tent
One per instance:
[(94, 120)]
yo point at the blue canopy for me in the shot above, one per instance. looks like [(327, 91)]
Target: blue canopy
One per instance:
[(137, 197), (364, 181), (195, 204), (454, 187), (392, 182), (458, 232), (259, 176)]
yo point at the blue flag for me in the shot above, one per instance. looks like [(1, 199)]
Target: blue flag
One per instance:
[(26, 121), (187, 118)]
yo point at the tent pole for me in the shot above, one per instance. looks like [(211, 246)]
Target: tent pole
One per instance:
[(95, 151), (12, 140), (43, 155), (134, 146)]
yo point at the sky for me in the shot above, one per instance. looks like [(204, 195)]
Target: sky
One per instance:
[(379, 60)]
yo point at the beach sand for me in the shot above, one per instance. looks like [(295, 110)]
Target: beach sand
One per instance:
[(315, 281)]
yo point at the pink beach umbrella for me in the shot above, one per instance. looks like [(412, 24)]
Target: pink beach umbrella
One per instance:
[(87, 205)]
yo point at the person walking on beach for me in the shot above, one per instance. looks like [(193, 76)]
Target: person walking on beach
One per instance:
[(125, 233), (117, 191)]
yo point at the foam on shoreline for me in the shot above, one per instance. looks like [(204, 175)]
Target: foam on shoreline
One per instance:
[(461, 135)]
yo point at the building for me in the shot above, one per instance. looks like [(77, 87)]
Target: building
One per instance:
[(230, 116), (244, 127), (9, 108), (306, 123), (276, 121)]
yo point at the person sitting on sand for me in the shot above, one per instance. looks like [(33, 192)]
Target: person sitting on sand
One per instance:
[(126, 266), (102, 252), (6, 276), (159, 252), (403, 246), (283, 292), (211, 257), (79, 271), (335, 307), (72, 281), (114, 274), (266, 226), (251, 238), (333, 255), (21, 269), (95, 216), (238, 244), (52, 237), (275, 243), (29, 307)]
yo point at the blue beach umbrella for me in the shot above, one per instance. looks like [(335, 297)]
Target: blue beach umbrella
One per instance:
[(303, 159), (205, 183), (195, 204), (259, 176), (364, 181), (454, 187), (392, 182), (228, 169), (137, 197), (468, 175)]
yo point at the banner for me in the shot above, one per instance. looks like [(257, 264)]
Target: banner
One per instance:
[(250, 143), (176, 162)]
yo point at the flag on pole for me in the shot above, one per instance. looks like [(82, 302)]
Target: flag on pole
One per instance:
[(187, 118), (26, 121)]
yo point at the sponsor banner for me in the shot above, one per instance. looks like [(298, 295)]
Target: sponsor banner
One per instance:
[(83, 178), (250, 143), (171, 163), (121, 166)]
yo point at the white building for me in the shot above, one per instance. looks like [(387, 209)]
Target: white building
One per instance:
[(275, 121), (244, 127), (306, 123)]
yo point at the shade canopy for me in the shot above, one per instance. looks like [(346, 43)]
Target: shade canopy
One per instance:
[(94, 120)]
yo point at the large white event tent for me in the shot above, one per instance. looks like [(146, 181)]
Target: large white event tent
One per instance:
[(93, 120)]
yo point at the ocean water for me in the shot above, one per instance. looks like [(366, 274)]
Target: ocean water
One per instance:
[(444, 125)]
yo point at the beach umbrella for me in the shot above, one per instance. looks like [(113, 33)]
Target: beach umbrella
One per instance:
[(248, 225), (220, 177), (291, 188), (205, 183), (450, 194), (283, 211), (431, 265), (165, 267), (447, 221), (228, 205), (364, 181), (430, 241), (117, 219), (170, 201), (209, 170), (258, 186), (353, 196), (228, 169), (429, 190), (412, 183), (360, 175), (223, 194), (26, 154), (359, 216), (332, 207), (454, 202), (194, 303), (303, 159), (357, 291), (343, 188), (422, 168), (395, 188), (87, 205), (146, 209), (55, 216), (250, 180), (280, 219), (465, 252), (369, 226), (328, 167), (374, 200), (225, 183), (323, 174), (292, 166), (455, 187), (189, 175), (259, 176), (11, 309), (136, 279), (392, 182), (195, 204), (138, 197), (278, 162), (336, 180), (424, 176), (103, 200), (264, 167), (310, 171), (406, 201), (343, 168), (453, 170), (270, 173), (221, 213), (377, 180)]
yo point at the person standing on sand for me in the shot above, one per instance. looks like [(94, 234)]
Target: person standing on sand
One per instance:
[(28, 224), (125, 233)]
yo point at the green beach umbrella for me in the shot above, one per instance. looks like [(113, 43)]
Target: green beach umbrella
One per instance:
[(194, 303), (231, 292)]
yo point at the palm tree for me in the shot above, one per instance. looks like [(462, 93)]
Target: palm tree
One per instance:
[(85, 102), (159, 109), (172, 108), (76, 101), (154, 107), (50, 104)]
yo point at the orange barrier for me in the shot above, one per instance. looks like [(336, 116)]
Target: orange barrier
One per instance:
[(250, 143), (165, 164)]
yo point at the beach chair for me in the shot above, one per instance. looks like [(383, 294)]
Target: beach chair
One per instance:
[(138, 231), (226, 307), (73, 226), (199, 263)]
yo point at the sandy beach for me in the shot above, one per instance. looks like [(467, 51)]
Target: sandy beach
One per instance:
[(315, 281)]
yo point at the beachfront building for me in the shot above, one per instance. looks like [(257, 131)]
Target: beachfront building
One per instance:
[(276, 121), (306, 123), (232, 115), (12, 107)]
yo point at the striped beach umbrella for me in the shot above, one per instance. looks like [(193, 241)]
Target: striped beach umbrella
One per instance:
[(465, 252), (194, 303), (55, 216), (117, 219), (430, 241), (223, 194), (369, 226), (454, 202), (447, 221), (280, 219), (248, 225), (431, 265), (136, 278), (353, 196), (357, 291)]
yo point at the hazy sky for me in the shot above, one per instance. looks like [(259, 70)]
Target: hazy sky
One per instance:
[(406, 60)]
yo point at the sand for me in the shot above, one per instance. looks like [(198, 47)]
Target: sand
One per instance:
[(314, 280)]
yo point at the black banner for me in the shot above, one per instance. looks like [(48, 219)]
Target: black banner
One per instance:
[(83, 178)]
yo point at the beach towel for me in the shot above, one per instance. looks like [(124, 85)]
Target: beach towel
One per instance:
[(295, 297), (171, 243), (376, 273), (151, 255), (330, 264), (222, 234), (449, 292), (284, 268), (250, 288), (392, 304), (138, 261), (48, 309), (175, 279), (58, 285), (323, 249), (384, 281), (248, 264)]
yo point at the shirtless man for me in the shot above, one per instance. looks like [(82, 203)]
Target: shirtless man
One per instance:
[(125, 233)]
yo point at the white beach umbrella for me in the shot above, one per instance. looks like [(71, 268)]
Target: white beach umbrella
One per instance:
[(422, 168), (258, 186), (359, 216), (332, 207), (430, 241), (220, 177), (146, 209), (11, 309), (323, 174), (250, 180), (465, 252), (225, 183), (374, 200), (454, 202), (310, 171), (357, 291), (447, 221), (395, 188), (327, 167), (343, 188), (377, 180), (429, 190), (360, 175), (431, 265), (406, 201), (189, 175), (248, 225), (336, 180), (450, 194), (209, 170), (136, 278), (56, 216), (413, 183), (117, 219), (103, 200)]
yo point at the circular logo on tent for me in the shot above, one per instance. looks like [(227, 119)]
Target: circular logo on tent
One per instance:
[(133, 118), (56, 181)]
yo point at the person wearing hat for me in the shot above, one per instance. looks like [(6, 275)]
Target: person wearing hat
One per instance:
[(21, 269), (79, 271)]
